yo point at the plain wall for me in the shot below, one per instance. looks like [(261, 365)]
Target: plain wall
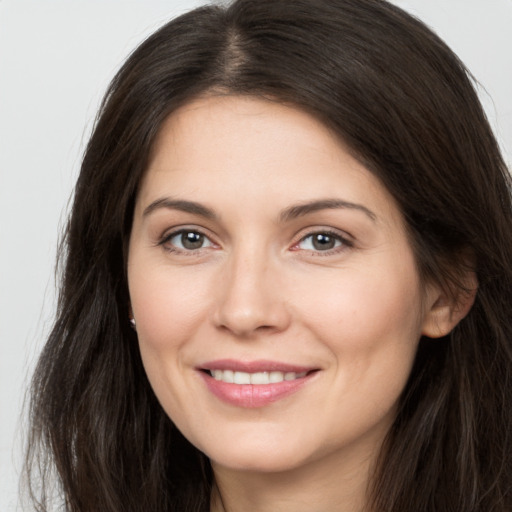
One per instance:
[(56, 59)]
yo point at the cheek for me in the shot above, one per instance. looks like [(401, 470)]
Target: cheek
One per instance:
[(166, 305), (370, 323), (373, 314), (169, 307)]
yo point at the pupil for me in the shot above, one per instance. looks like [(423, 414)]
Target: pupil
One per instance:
[(323, 242), (192, 240)]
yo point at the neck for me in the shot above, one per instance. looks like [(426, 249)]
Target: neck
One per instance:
[(329, 485)]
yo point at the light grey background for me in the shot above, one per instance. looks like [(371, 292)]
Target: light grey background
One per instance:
[(56, 58)]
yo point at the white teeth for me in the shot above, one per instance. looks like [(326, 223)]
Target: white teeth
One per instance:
[(276, 377), (230, 377), (260, 378), (241, 378)]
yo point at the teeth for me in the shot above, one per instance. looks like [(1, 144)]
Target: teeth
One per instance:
[(241, 378), (230, 377), (227, 376), (260, 378), (275, 377)]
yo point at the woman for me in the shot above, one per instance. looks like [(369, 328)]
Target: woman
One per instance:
[(287, 281)]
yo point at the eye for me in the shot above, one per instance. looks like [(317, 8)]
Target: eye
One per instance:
[(322, 242), (186, 240)]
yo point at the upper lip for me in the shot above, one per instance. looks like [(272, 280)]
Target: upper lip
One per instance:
[(260, 365)]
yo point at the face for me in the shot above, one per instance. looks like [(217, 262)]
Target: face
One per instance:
[(277, 301)]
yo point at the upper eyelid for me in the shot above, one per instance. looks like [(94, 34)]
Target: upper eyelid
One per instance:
[(344, 243), (171, 232), (311, 230), (328, 233)]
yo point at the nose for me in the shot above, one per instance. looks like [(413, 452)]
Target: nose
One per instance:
[(251, 297)]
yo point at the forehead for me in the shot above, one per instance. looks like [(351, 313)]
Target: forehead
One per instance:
[(249, 148)]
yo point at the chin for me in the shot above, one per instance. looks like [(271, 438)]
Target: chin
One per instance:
[(258, 462), (260, 453)]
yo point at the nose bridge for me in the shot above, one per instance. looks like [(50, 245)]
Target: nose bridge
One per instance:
[(250, 297)]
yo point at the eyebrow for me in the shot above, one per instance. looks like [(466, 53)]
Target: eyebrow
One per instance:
[(181, 205), (323, 204), (288, 214)]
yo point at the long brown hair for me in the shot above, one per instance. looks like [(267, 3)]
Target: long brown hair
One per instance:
[(406, 106)]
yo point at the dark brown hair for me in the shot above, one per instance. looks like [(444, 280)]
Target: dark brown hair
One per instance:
[(405, 105)]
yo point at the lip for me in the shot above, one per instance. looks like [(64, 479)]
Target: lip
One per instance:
[(254, 395), (260, 365)]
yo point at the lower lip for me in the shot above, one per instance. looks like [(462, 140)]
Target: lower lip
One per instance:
[(253, 395)]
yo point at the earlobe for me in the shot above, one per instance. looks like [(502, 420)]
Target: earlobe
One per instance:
[(131, 318), (446, 310)]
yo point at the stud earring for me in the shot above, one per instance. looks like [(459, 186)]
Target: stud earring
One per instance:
[(132, 323)]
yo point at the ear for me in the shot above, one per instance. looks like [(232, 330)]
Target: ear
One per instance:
[(446, 308), (131, 318)]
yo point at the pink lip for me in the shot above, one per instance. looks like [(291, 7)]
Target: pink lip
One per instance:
[(253, 395), (259, 365)]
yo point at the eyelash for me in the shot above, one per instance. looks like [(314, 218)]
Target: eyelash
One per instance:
[(186, 252), (344, 242)]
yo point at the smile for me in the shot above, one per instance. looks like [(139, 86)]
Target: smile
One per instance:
[(254, 384), (258, 378)]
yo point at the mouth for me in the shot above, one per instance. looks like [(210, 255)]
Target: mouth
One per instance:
[(254, 384), (258, 378)]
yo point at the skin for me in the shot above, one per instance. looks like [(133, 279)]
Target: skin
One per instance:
[(259, 289)]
